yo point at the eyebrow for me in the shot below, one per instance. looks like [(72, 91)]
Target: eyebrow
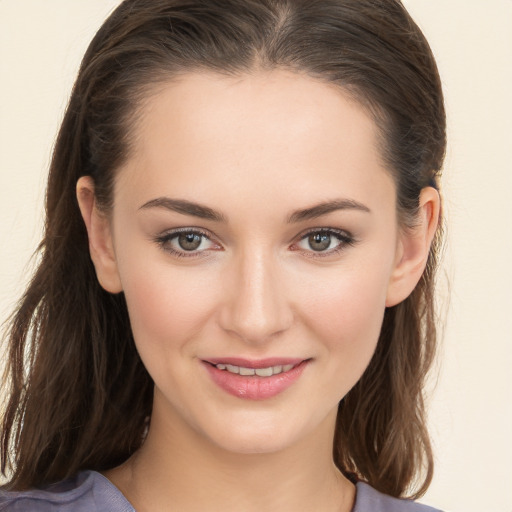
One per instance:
[(185, 207), (326, 207), (204, 212)]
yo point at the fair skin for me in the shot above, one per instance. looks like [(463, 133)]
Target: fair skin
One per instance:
[(255, 282)]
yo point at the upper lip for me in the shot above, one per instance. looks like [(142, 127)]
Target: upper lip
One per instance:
[(255, 363)]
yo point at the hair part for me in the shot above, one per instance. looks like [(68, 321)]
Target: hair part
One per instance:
[(79, 395)]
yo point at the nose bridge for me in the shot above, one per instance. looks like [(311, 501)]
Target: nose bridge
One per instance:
[(258, 306)]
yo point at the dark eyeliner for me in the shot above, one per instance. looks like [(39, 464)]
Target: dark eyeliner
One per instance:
[(345, 238), (163, 239)]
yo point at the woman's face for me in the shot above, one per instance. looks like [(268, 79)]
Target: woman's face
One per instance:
[(254, 230)]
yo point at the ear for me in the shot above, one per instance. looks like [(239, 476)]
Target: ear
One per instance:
[(101, 246), (413, 248)]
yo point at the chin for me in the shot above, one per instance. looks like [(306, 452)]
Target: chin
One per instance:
[(256, 443), (267, 434)]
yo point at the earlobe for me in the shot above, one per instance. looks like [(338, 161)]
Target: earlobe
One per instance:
[(101, 246), (414, 248)]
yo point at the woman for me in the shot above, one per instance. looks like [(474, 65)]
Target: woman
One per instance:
[(234, 305)]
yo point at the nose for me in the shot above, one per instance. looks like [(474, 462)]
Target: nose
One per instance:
[(256, 308)]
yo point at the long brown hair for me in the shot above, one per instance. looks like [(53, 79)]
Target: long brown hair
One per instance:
[(78, 394)]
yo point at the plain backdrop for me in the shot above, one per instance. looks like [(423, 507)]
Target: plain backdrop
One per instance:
[(41, 44)]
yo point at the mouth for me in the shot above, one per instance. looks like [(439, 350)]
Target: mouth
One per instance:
[(255, 380), (260, 372)]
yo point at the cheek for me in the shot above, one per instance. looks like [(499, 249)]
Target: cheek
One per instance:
[(345, 313), (167, 306)]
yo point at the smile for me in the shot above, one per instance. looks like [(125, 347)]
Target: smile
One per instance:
[(260, 372), (255, 380)]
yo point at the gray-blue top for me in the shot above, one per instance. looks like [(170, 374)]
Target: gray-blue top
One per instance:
[(90, 491)]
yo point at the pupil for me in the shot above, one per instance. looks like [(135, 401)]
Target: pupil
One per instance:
[(189, 241), (319, 241)]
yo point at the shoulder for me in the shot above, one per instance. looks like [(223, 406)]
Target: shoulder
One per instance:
[(370, 500), (88, 491)]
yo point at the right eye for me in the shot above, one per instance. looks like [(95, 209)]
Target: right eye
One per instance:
[(325, 242)]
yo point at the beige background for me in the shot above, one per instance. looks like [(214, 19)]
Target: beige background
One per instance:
[(41, 43)]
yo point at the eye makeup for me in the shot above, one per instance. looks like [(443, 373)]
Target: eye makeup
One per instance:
[(192, 242)]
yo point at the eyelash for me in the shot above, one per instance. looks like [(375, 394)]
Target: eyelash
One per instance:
[(164, 239), (345, 239)]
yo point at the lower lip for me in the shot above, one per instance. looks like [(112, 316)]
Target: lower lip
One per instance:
[(254, 387)]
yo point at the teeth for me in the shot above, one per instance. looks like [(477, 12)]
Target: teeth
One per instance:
[(261, 372), (265, 372)]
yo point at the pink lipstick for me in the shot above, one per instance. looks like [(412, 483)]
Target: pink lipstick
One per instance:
[(255, 380)]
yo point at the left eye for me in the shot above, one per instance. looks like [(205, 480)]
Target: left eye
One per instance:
[(189, 241), (184, 242), (324, 241)]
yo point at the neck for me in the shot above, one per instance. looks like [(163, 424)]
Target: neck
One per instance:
[(177, 469)]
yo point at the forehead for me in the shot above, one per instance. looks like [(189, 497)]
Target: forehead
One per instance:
[(205, 133)]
